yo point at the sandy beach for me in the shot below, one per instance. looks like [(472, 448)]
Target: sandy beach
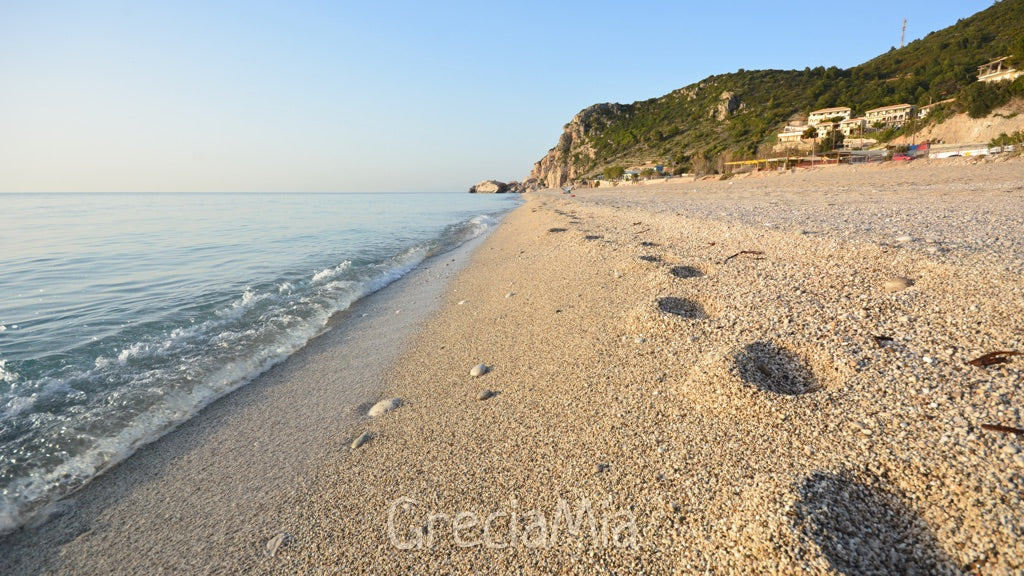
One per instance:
[(764, 375)]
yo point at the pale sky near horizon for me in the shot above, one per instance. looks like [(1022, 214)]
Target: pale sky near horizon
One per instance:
[(383, 96)]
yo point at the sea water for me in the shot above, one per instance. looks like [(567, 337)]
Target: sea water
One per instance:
[(122, 315)]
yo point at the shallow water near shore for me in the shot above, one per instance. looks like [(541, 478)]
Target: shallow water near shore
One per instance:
[(121, 315)]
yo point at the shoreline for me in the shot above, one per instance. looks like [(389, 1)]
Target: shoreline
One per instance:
[(211, 484), (763, 376)]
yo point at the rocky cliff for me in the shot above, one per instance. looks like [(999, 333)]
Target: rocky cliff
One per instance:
[(564, 162), (667, 130)]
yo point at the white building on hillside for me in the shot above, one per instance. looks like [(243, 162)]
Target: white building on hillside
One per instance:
[(789, 138), (890, 116), (998, 70), (819, 116), (852, 126)]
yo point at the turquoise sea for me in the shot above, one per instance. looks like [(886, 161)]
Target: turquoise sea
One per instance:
[(122, 315)]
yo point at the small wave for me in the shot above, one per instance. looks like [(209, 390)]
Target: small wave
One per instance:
[(19, 405), (5, 374), (248, 299), (331, 273), (397, 267), (133, 351), (484, 221), (242, 305), (457, 234), (184, 333), (337, 286)]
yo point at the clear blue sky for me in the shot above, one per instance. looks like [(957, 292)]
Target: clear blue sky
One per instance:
[(372, 96)]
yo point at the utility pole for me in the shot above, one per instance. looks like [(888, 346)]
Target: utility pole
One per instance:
[(903, 34)]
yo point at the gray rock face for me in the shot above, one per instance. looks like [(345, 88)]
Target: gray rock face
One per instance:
[(520, 187), (728, 104), (489, 187), (557, 167)]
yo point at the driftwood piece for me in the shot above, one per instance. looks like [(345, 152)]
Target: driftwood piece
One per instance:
[(883, 340), (993, 358), (741, 252), (1001, 428)]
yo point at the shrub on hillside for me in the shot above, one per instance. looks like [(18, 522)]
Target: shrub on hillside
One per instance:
[(981, 98)]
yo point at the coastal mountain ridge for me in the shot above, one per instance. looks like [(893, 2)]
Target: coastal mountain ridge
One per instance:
[(737, 115)]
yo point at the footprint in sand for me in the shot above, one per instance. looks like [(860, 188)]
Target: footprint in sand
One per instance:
[(775, 369), (686, 272), (682, 307)]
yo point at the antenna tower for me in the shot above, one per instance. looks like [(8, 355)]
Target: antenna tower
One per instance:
[(903, 34)]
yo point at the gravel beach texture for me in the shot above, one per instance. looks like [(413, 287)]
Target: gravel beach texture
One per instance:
[(765, 375)]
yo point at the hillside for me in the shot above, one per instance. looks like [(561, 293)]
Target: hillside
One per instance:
[(736, 115)]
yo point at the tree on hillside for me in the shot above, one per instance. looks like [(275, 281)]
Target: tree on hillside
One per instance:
[(705, 163), (1017, 52), (833, 140), (613, 172), (980, 98)]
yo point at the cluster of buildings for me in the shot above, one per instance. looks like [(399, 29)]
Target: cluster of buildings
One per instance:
[(840, 119), (829, 120)]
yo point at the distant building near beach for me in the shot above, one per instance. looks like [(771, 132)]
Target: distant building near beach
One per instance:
[(648, 170), (789, 138), (852, 126), (998, 70), (826, 114), (826, 128), (889, 116), (792, 135)]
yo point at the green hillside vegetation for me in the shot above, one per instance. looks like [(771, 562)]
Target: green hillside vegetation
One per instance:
[(685, 131)]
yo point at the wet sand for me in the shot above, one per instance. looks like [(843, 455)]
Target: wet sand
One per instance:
[(759, 375)]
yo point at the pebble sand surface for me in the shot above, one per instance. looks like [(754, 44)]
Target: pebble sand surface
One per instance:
[(768, 375), (764, 375)]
